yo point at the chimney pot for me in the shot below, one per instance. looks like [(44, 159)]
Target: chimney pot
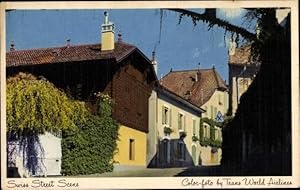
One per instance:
[(105, 17), (12, 46), (68, 42), (119, 36)]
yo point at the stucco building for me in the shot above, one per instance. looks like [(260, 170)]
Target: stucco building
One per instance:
[(206, 89), (173, 130), (118, 69)]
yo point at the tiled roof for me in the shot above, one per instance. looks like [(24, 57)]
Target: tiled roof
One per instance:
[(67, 54), (242, 56), (184, 84)]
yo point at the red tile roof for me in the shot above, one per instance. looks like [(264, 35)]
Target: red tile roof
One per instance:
[(67, 54), (184, 84), (242, 56)]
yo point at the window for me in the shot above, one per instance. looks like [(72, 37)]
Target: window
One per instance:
[(206, 131), (181, 121), (165, 111), (194, 127), (220, 100), (166, 116), (131, 149), (215, 112), (217, 134)]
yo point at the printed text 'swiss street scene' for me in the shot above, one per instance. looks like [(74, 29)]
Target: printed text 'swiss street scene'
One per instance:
[(148, 92)]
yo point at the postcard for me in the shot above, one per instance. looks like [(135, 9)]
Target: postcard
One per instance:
[(149, 95)]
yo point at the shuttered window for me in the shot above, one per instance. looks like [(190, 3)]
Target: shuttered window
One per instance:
[(194, 127), (181, 121)]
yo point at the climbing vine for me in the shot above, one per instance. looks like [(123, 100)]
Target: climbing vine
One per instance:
[(34, 106), (211, 141), (91, 146)]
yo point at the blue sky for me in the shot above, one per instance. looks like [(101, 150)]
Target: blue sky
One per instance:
[(182, 46)]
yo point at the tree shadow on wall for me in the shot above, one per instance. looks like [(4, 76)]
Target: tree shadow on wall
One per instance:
[(31, 152)]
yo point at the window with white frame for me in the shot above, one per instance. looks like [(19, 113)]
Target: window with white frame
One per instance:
[(217, 134), (206, 131), (181, 121), (166, 116)]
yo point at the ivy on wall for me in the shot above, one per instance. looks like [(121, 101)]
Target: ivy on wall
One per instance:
[(34, 106), (91, 146), (211, 141)]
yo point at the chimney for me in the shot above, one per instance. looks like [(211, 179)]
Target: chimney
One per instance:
[(120, 37), (107, 38), (12, 46), (68, 42), (154, 62)]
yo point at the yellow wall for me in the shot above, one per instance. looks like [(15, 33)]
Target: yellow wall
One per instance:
[(208, 158), (188, 128), (107, 41), (122, 156), (219, 102)]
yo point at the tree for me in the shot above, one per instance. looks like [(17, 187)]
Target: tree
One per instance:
[(35, 106), (254, 136)]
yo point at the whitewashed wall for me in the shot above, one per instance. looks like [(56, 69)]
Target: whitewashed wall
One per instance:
[(49, 156)]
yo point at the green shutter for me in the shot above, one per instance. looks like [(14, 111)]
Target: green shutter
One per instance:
[(194, 126)]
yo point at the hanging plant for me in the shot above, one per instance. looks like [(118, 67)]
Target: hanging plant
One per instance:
[(195, 138), (182, 134), (211, 141), (167, 130)]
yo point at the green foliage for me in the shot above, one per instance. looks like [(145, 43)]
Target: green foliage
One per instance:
[(104, 104), (204, 141), (168, 130), (90, 148), (36, 105), (182, 134), (195, 138)]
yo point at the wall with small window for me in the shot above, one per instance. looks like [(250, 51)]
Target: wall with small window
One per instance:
[(131, 147), (171, 116), (217, 102)]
